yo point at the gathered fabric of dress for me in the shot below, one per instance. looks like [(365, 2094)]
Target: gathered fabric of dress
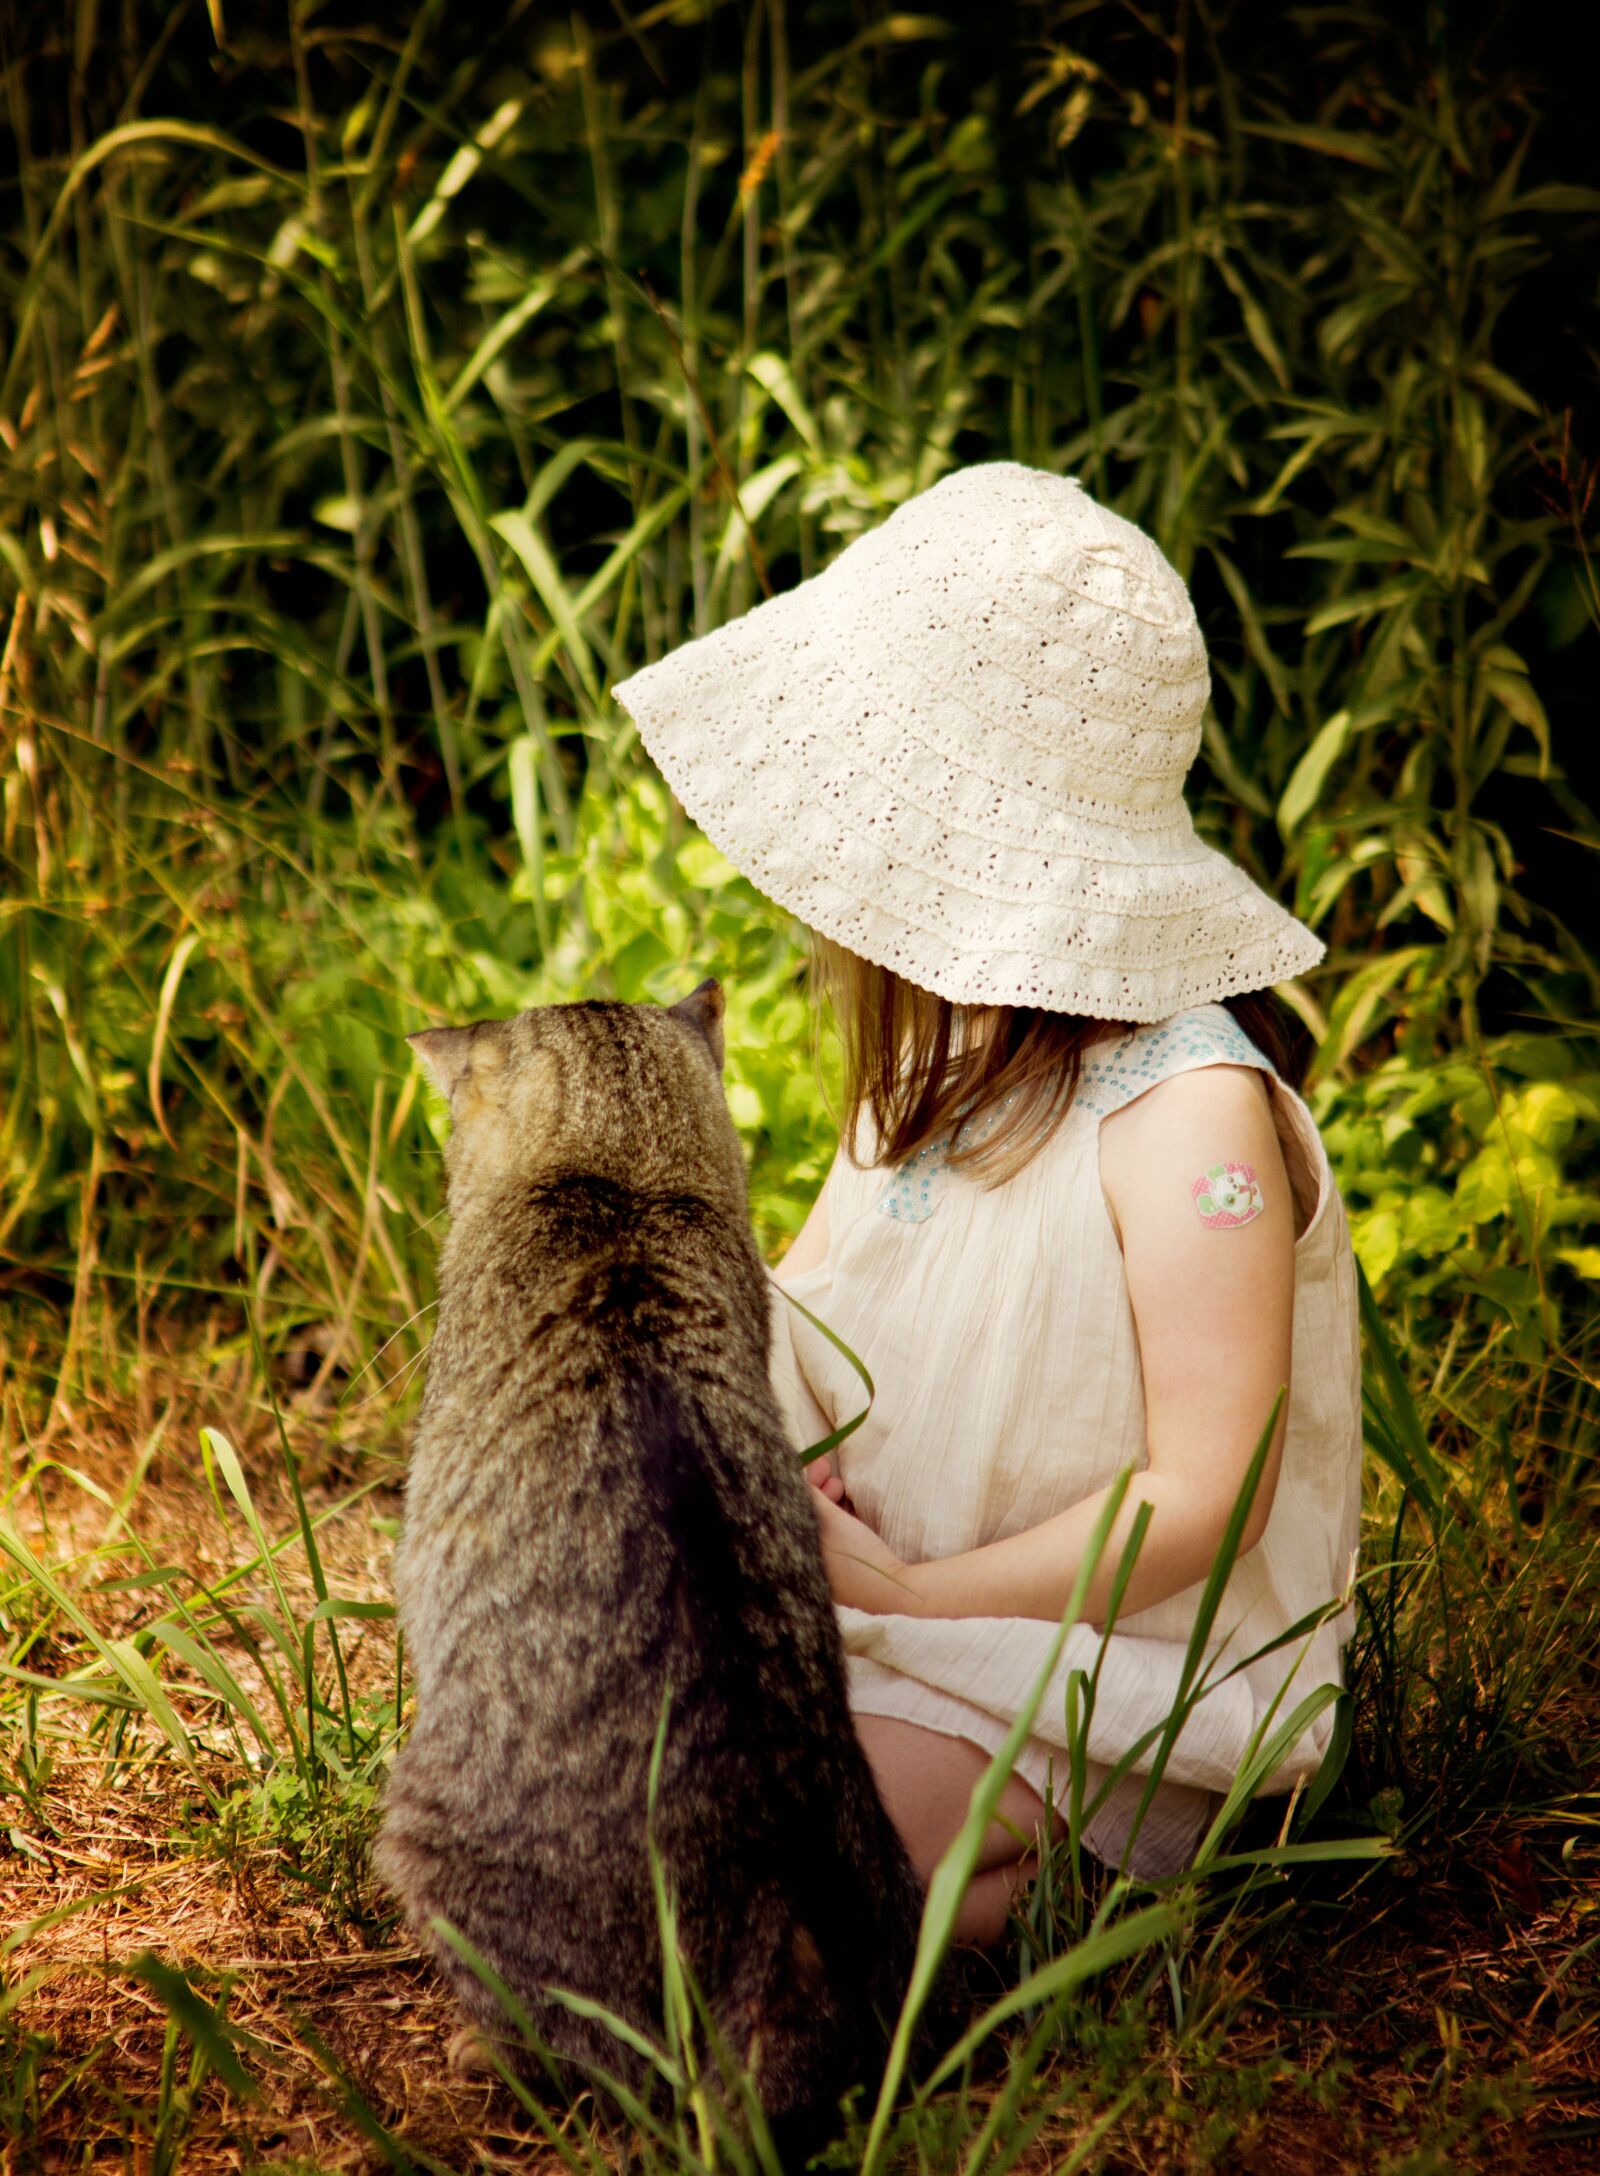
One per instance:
[(997, 1327)]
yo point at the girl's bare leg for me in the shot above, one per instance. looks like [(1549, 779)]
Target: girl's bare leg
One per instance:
[(987, 1904), (925, 1780)]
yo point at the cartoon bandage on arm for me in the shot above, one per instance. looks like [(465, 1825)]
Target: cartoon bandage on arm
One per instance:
[(1226, 1195)]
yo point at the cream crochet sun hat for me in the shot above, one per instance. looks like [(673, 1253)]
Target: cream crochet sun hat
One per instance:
[(959, 751)]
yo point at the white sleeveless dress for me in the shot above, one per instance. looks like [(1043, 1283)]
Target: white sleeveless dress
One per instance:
[(997, 1328)]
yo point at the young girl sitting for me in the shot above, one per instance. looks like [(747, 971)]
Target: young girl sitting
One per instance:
[(1081, 1220)]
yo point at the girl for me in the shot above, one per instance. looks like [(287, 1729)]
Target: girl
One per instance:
[(1080, 1219)]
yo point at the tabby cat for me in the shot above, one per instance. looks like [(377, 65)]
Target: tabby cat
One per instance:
[(603, 1511)]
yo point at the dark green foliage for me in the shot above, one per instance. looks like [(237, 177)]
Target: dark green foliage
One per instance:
[(369, 410)]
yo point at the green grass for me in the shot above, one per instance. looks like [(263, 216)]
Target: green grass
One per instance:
[(369, 403)]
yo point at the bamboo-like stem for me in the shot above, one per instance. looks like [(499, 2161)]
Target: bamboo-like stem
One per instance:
[(688, 261), (740, 406), (783, 170), (1183, 299), (617, 305), (413, 564), (364, 540)]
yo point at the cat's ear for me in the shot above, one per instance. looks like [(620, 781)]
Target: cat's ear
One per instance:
[(702, 1010), (447, 1054)]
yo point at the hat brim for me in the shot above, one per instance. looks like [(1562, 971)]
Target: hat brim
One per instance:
[(878, 825)]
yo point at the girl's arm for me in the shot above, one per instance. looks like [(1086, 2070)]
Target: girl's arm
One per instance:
[(1211, 1282)]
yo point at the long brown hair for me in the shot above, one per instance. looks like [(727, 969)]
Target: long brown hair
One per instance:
[(922, 1066)]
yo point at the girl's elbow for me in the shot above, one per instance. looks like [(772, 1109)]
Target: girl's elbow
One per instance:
[(1221, 1511)]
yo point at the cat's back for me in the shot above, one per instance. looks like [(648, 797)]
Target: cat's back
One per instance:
[(553, 1311), (598, 1424)]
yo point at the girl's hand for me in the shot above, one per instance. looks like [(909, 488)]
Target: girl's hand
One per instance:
[(821, 1475), (862, 1569)]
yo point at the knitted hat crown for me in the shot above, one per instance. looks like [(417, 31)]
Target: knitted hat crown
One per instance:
[(959, 751)]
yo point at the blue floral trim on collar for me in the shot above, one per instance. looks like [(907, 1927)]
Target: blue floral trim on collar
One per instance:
[(914, 1187), (1114, 1073)]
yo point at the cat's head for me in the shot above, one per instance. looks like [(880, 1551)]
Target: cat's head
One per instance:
[(631, 1093)]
